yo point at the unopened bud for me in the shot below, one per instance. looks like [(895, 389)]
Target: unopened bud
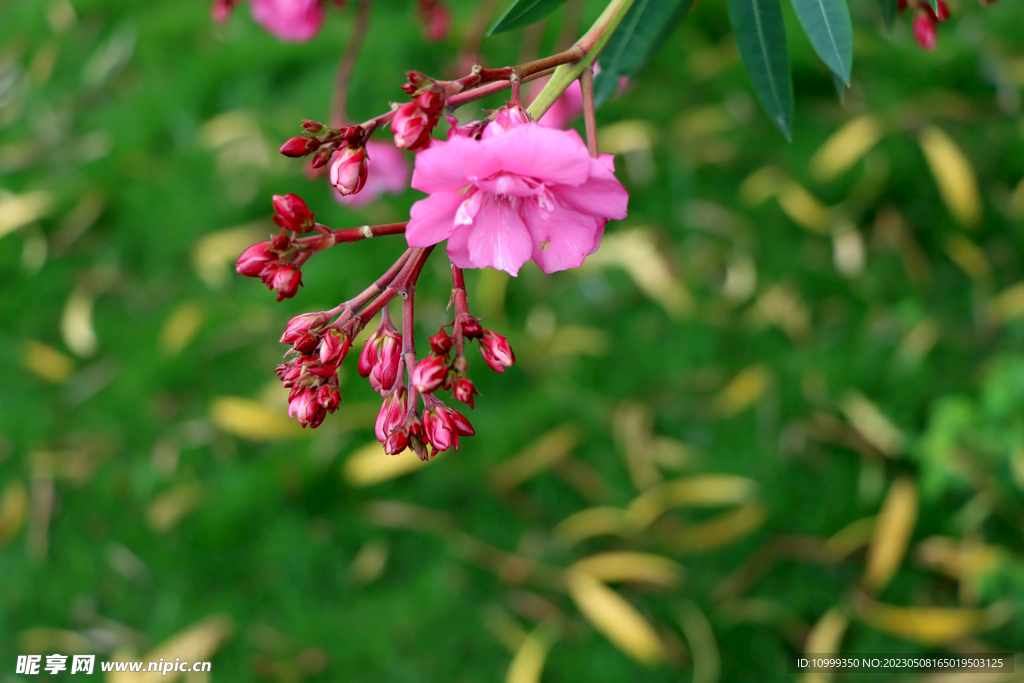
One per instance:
[(285, 281), (924, 31), (328, 397), (348, 173), (334, 347), (301, 324), (496, 351), (463, 390), (312, 127), (299, 146), (291, 213), (429, 374), (254, 259), (440, 343), (411, 127)]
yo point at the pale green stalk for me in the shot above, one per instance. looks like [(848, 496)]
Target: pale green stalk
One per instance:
[(591, 44)]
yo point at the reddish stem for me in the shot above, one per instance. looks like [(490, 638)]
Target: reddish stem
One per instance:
[(352, 305), (589, 119), (367, 231), (348, 62)]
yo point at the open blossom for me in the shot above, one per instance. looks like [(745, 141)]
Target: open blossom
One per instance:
[(529, 193), (293, 21), (387, 173)]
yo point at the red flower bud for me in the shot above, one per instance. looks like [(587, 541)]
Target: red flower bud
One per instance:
[(254, 259), (429, 374), (391, 415), (924, 31), (334, 347), (496, 351), (411, 127), (300, 146), (471, 327), (222, 9), (328, 397), (348, 173), (386, 371), (396, 442), (440, 343), (463, 390), (313, 127), (304, 407), (301, 324), (285, 281), (438, 23), (291, 213), (439, 431)]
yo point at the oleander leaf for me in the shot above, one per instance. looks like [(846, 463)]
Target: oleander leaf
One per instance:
[(761, 37), (647, 25), (888, 8), (827, 25), (522, 13)]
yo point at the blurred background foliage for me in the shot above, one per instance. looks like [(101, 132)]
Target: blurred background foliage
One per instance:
[(780, 411)]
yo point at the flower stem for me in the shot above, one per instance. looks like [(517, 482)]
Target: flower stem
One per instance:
[(589, 118), (368, 231), (591, 44), (348, 62)]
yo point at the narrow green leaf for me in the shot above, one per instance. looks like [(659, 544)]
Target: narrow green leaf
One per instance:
[(647, 25), (934, 4), (827, 25), (761, 37), (522, 13), (888, 8), (840, 88)]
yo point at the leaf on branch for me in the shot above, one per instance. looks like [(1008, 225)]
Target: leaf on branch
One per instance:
[(761, 38), (522, 13), (888, 8), (644, 28), (827, 25)]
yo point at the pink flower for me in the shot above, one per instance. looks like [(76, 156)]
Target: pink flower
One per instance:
[(387, 173), (530, 193), (348, 172), (293, 21)]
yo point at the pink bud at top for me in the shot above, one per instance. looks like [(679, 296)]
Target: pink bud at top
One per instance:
[(222, 9), (291, 213), (328, 397), (348, 173), (305, 408), (301, 324), (440, 343), (293, 21), (299, 146), (924, 31), (411, 127), (254, 259), (463, 390), (385, 373), (437, 20), (429, 374), (312, 127), (439, 431), (285, 281), (391, 415), (496, 351), (334, 347), (471, 327)]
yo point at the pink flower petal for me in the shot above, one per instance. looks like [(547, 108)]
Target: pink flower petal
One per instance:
[(563, 238), (450, 166), (293, 21), (432, 220), (601, 195), (499, 238), (534, 151)]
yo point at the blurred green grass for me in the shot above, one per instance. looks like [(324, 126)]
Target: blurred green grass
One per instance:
[(131, 509)]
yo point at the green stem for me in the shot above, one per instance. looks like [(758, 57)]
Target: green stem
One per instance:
[(592, 42)]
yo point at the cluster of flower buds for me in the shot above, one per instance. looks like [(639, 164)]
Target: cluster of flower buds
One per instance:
[(278, 261), (439, 371), (312, 371), (381, 357), (414, 121), (436, 18), (324, 141), (497, 122), (926, 20), (398, 427)]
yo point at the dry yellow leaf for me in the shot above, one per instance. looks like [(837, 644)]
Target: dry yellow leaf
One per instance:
[(181, 327), (804, 208), (1009, 303), (850, 538), (213, 252), (615, 618), (168, 508), (932, 626), (703, 121), (369, 562), (626, 136), (369, 465), (528, 662), (197, 643), (958, 559), (622, 566), (17, 210), (697, 491), (742, 391), (720, 530), (848, 251), (599, 521), (76, 324), (251, 420), (707, 662), (762, 185), (13, 505), (846, 147), (893, 529), (46, 361), (969, 257), (637, 252), (633, 427), (546, 451), (871, 424), (824, 638), (782, 306), (577, 340), (505, 628), (54, 640), (953, 173)]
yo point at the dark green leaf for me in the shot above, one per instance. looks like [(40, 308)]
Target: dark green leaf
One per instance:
[(934, 4), (888, 8), (827, 24), (644, 28), (522, 13), (840, 88), (761, 37)]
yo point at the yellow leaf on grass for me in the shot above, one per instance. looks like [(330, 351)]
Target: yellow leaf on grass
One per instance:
[(762, 185), (251, 420), (168, 508), (541, 454), (46, 361), (620, 566), (599, 521), (931, 625), (181, 327), (968, 256), (720, 530), (369, 465), (195, 644), (76, 324), (528, 662), (893, 529), (615, 618), (17, 210), (850, 538), (1009, 303), (804, 208), (13, 505), (698, 491), (871, 424), (953, 173), (824, 638), (742, 391), (707, 661), (846, 147)]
